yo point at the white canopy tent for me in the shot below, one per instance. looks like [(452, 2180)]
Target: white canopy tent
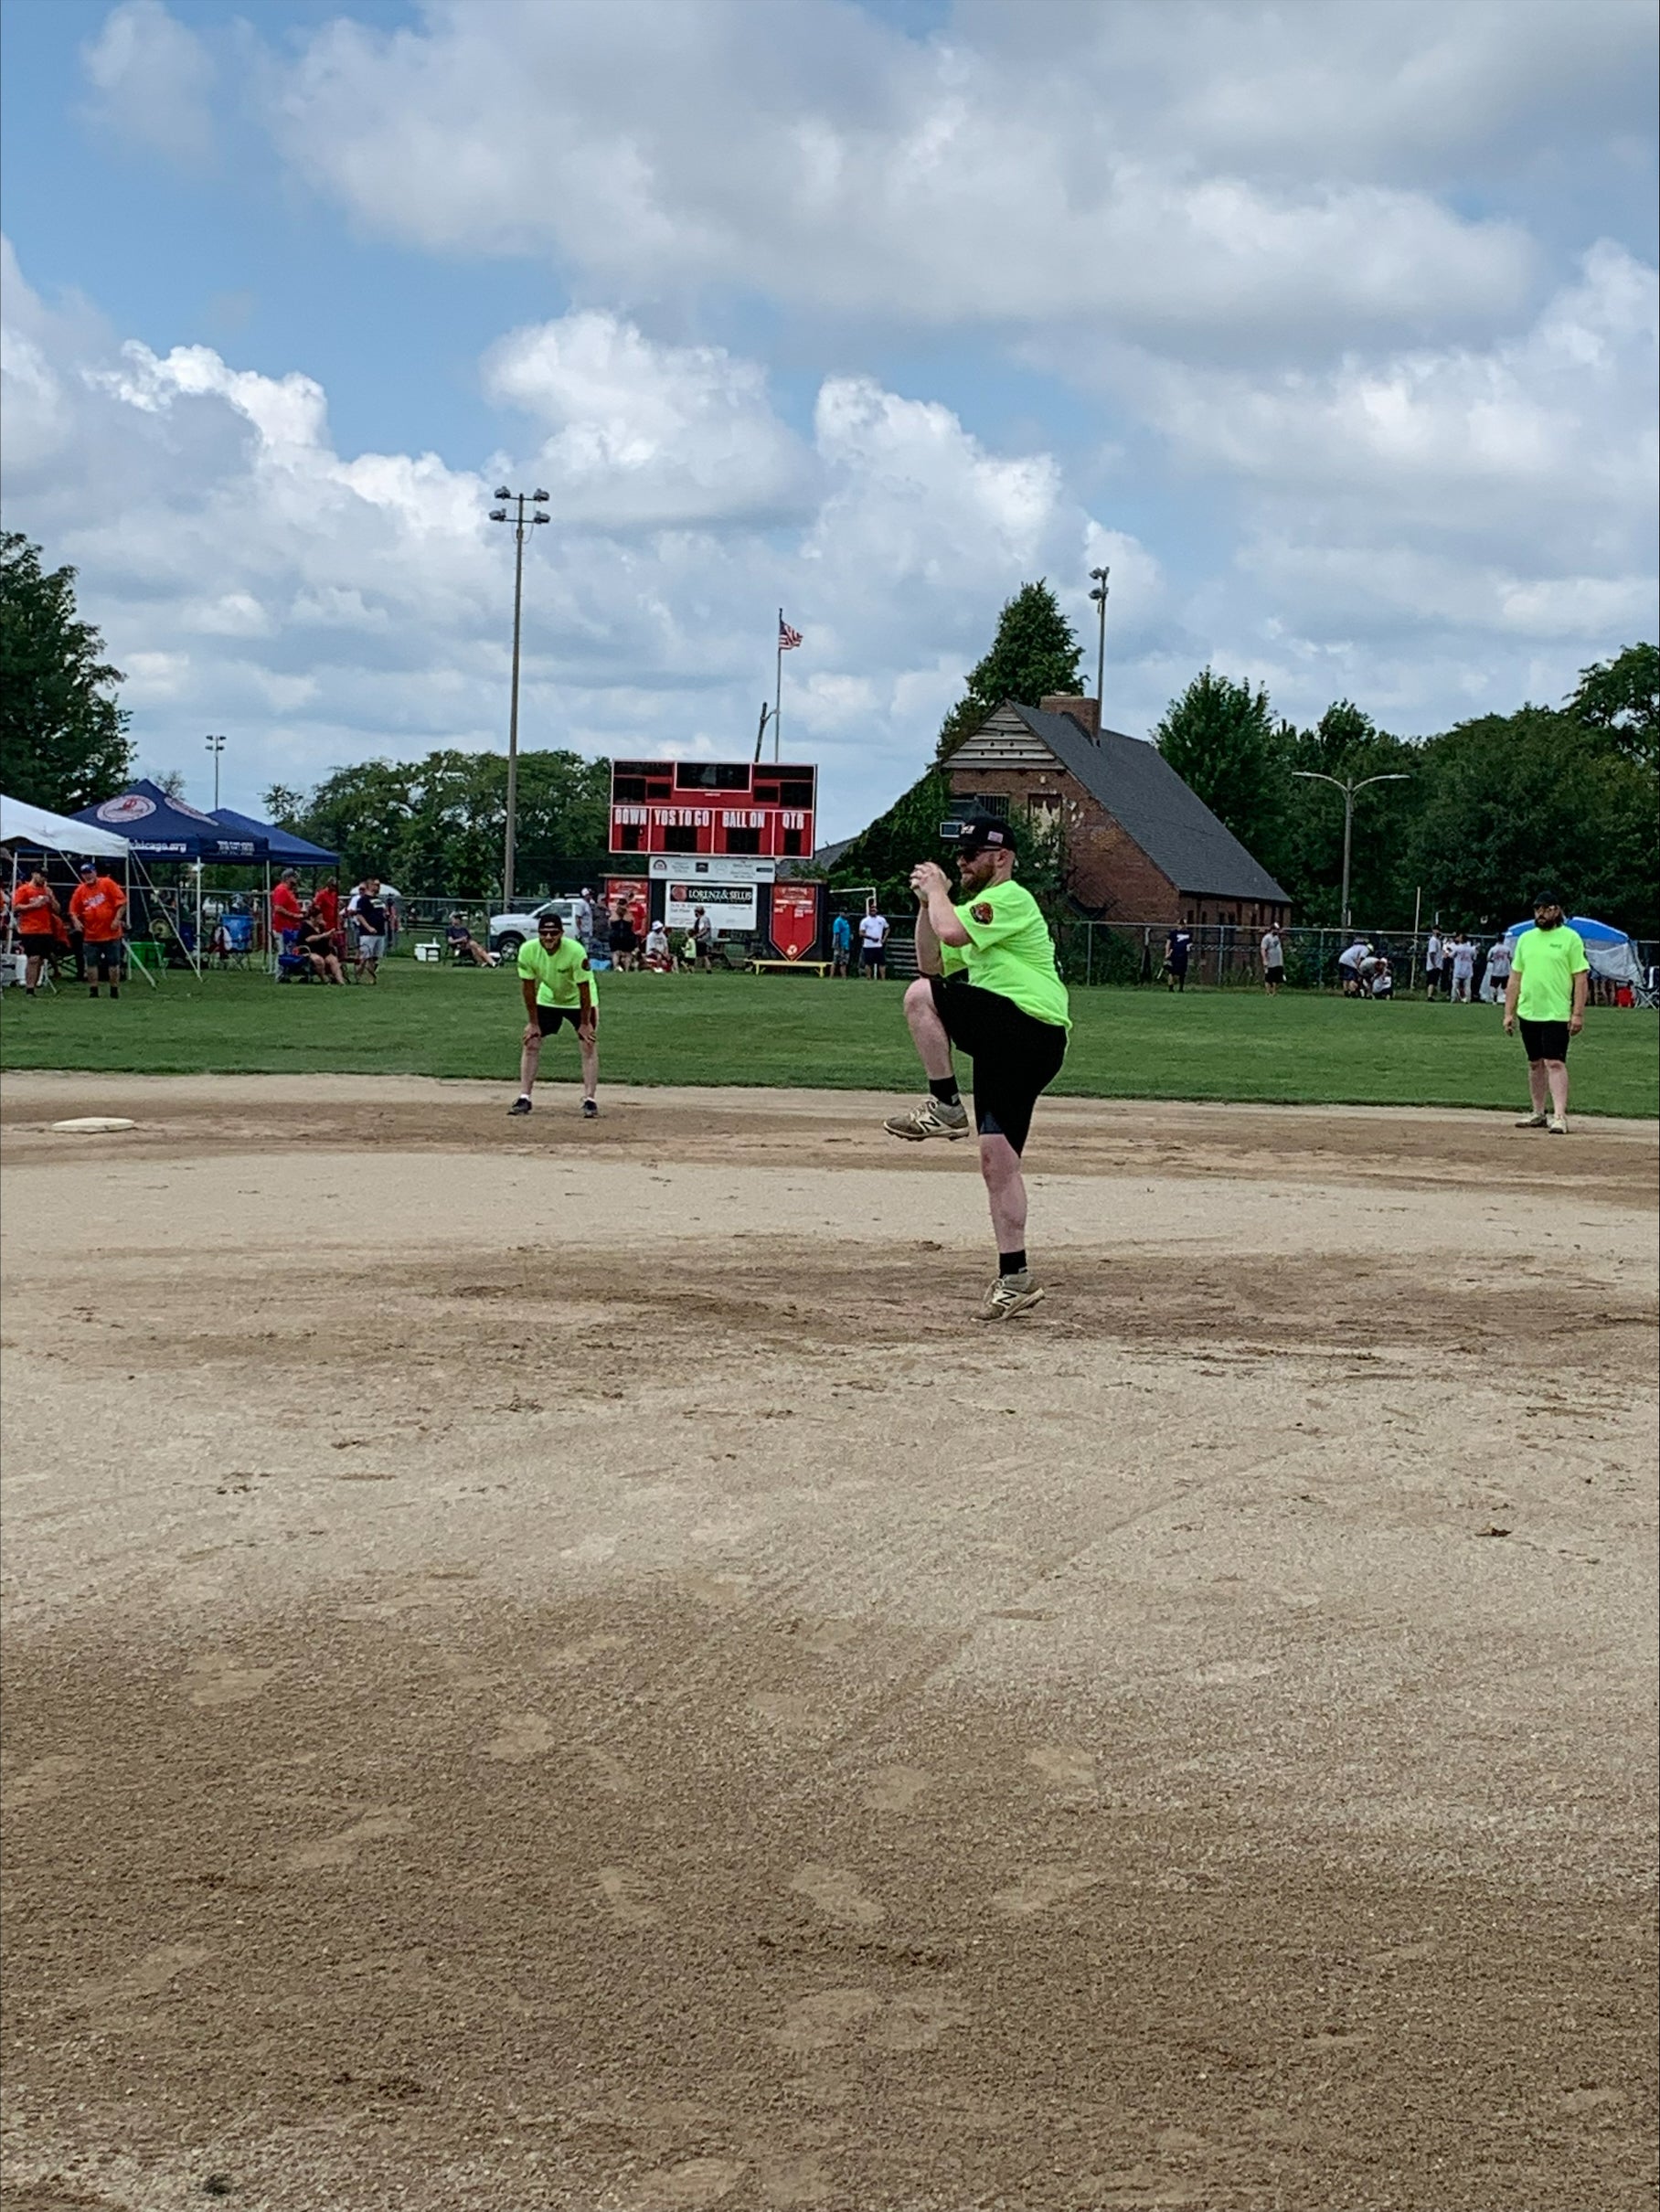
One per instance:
[(36, 828)]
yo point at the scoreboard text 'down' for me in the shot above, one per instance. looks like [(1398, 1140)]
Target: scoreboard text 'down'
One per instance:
[(712, 806)]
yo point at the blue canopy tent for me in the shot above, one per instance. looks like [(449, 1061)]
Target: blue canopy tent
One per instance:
[(1611, 952), (159, 828)]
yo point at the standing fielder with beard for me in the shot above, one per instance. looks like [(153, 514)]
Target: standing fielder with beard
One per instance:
[(986, 983), (1549, 979)]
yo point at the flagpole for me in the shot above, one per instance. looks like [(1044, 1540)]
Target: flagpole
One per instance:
[(777, 683)]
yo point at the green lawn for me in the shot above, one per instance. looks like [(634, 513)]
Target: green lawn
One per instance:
[(795, 1031)]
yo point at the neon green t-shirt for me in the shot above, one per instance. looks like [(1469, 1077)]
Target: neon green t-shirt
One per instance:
[(557, 974), (1548, 961), (1009, 950)]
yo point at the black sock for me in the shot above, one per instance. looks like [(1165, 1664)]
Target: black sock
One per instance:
[(1012, 1263), (944, 1089)]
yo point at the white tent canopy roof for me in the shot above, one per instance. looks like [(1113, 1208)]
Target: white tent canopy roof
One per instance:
[(21, 823)]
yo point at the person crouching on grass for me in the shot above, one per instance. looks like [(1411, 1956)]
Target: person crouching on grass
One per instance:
[(987, 983), (559, 987)]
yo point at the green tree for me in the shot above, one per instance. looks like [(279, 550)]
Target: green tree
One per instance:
[(63, 735), (436, 826), (1222, 740), (284, 806), (1622, 697), (1033, 654), (1511, 799)]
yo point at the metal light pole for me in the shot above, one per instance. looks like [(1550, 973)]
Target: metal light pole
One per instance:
[(1099, 577), (522, 523), (1313, 775), (216, 746)]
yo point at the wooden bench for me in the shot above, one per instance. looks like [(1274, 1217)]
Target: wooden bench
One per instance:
[(821, 968)]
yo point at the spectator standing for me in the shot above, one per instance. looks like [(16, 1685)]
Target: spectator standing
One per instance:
[(1273, 961), (326, 907), (623, 940), (841, 945), (599, 947), (703, 940), (35, 912), (1432, 953), (873, 943), (638, 916), (1178, 951), (98, 906), (287, 912), (371, 912), (581, 918), (1463, 964), (1549, 977), (1498, 969)]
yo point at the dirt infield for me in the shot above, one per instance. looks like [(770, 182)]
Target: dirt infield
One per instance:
[(552, 1667)]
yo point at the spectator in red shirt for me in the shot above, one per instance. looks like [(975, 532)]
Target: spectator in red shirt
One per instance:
[(98, 906), (325, 908), (34, 910), (287, 912)]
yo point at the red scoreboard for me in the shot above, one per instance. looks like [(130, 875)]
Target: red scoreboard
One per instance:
[(713, 806)]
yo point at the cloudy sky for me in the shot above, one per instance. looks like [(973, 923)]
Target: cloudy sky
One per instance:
[(1330, 328)]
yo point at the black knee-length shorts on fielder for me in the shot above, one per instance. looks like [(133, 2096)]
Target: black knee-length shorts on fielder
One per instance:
[(1016, 1057)]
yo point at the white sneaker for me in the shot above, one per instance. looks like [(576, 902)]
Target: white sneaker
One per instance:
[(1558, 1125), (931, 1119), (1534, 1120), (1011, 1294)]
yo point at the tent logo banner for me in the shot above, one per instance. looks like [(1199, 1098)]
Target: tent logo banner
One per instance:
[(132, 806)]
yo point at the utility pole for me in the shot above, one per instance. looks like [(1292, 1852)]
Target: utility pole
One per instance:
[(1348, 788), (1099, 594), (522, 525), (216, 746)]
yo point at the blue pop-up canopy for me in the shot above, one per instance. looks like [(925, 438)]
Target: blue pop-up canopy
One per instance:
[(281, 846), (1611, 952), (159, 828)]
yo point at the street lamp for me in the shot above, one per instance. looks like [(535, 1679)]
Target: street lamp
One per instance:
[(1099, 577), (522, 523), (216, 746), (1313, 775)]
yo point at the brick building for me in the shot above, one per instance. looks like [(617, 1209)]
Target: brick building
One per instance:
[(1141, 845)]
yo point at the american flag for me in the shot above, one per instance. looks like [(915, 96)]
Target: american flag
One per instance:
[(788, 639)]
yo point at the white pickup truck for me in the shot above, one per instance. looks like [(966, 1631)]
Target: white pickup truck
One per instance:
[(508, 931)]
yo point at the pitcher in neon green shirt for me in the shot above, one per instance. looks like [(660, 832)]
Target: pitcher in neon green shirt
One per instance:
[(558, 986), (1549, 977), (986, 983)]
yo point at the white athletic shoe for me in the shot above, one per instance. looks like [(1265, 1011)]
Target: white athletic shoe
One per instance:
[(931, 1119), (1011, 1294), (1558, 1125), (1534, 1120)]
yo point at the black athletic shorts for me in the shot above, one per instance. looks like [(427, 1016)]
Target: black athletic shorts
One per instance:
[(1015, 1057), (1544, 1041), (549, 1018)]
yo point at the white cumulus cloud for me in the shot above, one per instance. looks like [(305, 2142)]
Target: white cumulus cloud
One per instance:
[(150, 83)]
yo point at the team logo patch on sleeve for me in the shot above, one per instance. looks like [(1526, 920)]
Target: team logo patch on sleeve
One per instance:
[(982, 913)]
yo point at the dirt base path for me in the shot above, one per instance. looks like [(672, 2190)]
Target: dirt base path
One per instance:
[(554, 1666)]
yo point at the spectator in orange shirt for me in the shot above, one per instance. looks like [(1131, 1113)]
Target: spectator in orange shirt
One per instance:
[(98, 906), (35, 910)]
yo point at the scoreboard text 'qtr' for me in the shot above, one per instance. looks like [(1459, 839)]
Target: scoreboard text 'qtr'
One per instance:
[(714, 807)]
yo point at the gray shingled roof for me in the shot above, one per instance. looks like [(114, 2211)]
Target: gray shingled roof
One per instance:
[(1171, 824)]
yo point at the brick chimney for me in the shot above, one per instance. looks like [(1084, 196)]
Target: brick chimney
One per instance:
[(1086, 711)]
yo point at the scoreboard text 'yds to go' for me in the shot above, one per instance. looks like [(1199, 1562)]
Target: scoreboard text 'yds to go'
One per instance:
[(712, 806)]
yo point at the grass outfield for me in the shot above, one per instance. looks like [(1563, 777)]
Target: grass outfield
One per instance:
[(790, 1031)]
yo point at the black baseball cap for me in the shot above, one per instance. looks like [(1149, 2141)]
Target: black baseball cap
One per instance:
[(1548, 898), (982, 833)]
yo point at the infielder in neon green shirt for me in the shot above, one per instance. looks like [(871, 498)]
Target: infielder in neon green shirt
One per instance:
[(1550, 980), (559, 987), (986, 983)]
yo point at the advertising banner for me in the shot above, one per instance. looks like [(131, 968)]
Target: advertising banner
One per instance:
[(730, 905), (794, 928)]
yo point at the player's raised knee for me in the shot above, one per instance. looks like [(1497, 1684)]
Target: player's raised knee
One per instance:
[(919, 994)]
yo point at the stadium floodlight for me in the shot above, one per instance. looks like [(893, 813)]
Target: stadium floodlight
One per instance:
[(501, 492), (521, 521), (1098, 578), (1349, 789), (216, 746)]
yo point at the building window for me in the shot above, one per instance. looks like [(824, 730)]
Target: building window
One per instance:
[(992, 803)]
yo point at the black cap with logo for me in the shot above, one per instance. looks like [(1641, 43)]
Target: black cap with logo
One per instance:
[(982, 833)]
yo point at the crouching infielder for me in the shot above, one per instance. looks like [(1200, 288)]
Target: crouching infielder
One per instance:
[(559, 987), (986, 983)]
